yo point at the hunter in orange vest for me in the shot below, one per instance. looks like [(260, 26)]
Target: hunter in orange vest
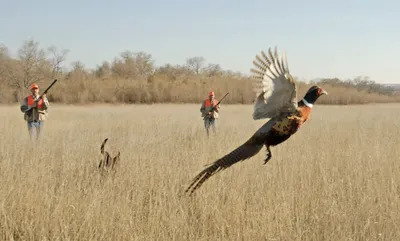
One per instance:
[(210, 117), (35, 108)]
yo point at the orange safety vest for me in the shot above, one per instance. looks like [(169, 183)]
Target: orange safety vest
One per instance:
[(31, 101), (208, 102)]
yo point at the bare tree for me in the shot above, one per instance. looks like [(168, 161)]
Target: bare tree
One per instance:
[(103, 71), (173, 72), (133, 65), (78, 66), (32, 62), (4, 54), (78, 72), (4, 62), (213, 70), (195, 64), (232, 74), (56, 60), (123, 67), (144, 64)]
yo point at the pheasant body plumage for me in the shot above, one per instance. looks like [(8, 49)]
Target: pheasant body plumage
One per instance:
[(276, 98)]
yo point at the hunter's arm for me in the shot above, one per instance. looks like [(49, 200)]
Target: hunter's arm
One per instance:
[(203, 107), (46, 103), (24, 105), (217, 108)]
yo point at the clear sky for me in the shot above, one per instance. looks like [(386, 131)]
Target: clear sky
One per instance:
[(334, 38)]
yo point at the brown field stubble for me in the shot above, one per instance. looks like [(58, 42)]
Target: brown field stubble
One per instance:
[(336, 179)]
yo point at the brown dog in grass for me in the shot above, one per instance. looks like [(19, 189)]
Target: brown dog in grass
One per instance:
[(108, 162)]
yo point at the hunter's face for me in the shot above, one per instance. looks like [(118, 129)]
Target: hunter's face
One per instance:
[(211, 97), (35, 91)]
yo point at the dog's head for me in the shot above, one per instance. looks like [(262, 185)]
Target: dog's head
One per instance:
[(116, 159)]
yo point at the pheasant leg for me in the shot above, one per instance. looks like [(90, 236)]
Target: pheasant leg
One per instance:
[(269, 155)]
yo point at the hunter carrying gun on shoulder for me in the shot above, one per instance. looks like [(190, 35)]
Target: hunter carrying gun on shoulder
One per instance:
[(35, 107), (210, 111)]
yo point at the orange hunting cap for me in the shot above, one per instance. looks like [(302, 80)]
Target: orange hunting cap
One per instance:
[(34, 86), (211, 93)]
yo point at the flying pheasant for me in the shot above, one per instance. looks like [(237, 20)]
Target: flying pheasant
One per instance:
[(276, 98)]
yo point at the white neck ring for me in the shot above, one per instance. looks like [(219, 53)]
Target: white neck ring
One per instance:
[(307, 104)]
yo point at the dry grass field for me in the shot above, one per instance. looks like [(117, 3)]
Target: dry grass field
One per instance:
[(338, 178)]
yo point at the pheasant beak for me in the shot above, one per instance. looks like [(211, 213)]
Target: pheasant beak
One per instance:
[(323, 92)]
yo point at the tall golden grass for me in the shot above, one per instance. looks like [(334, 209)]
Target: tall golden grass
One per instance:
[(336, 179)]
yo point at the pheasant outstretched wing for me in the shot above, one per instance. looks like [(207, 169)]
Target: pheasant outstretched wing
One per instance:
[(275, 88)]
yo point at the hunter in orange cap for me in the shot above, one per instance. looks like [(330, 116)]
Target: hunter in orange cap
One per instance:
[(210, 112), (34, 86), (35, 108)]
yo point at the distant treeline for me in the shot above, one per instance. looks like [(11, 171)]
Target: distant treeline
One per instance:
[(134, 78)]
